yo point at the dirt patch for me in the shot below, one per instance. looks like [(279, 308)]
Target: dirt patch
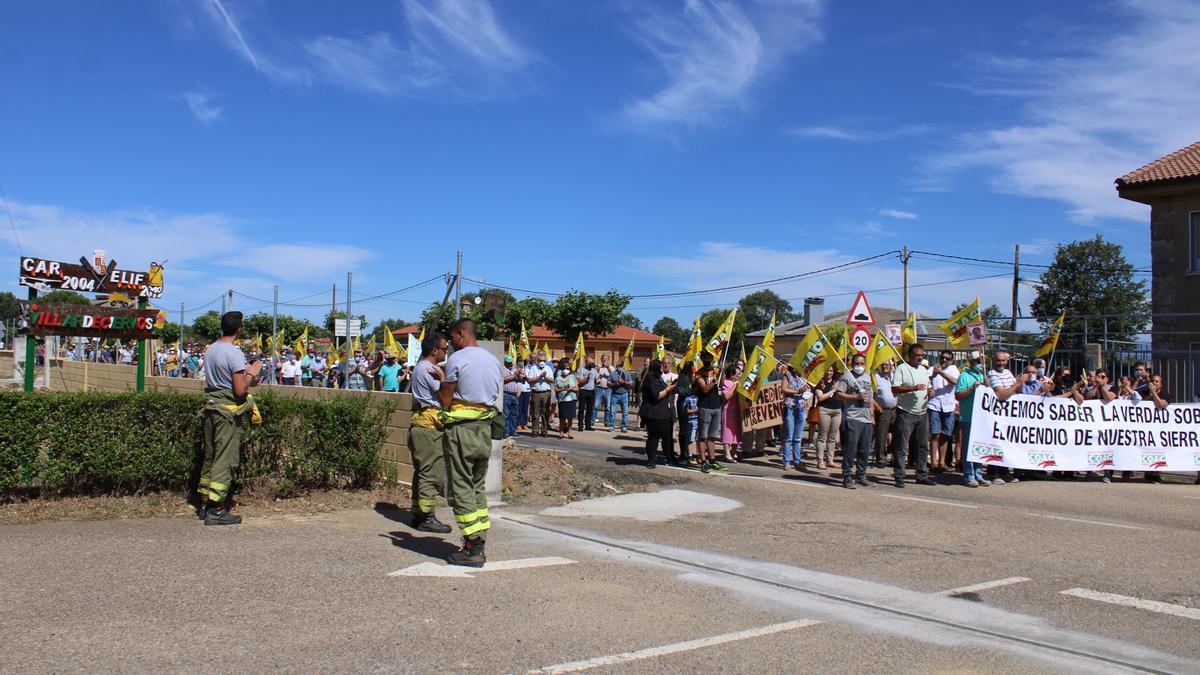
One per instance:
[(539, 477)]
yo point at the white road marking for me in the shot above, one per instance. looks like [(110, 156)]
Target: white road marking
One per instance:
[(943, 502), (652, 652), (1150, 605), (432, 569), (1089, 522), (975, 588)]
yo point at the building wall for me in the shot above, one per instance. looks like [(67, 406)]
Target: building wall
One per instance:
[(394, 457), (1173, 289)]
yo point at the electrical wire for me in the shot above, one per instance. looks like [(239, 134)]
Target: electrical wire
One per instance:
[(270, 303)]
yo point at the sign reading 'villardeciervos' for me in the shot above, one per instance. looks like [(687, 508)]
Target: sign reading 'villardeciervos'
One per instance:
[(1058, 434), (52, 318)]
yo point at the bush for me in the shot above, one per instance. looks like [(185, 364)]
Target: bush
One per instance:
[(120, 443)]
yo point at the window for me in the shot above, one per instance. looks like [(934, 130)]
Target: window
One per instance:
[(1194, 238)]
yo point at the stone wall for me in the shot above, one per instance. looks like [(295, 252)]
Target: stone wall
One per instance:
[(1173, 289), (395, 459)]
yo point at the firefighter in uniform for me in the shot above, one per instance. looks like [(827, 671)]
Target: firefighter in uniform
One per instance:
[(227, 404), (470, 389), (426, 436)]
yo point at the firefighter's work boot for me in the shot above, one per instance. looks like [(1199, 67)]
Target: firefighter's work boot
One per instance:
[(430, 523), (470, 555), (221, 516)]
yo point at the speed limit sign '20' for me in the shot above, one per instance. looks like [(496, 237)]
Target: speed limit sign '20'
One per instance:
[(860, 340)]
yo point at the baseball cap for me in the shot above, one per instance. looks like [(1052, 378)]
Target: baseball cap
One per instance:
[(508, 359)]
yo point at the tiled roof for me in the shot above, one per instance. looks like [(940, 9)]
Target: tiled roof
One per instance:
[(1183, 163), (538, 333)]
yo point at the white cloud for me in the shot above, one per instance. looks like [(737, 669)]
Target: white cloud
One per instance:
[(458, 45), (713, 52), (898, 214), (857, 134), (720, 264), (1087, 119), (205, 250), (201, 106)]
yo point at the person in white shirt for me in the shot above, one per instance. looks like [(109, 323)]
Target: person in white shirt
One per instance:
[(942, 410), (1005, 384), (540, 376), (290, 371)]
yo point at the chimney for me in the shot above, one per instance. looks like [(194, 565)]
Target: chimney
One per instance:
[(814, 311)]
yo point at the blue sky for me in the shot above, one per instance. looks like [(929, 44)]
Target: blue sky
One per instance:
[(651, 147)]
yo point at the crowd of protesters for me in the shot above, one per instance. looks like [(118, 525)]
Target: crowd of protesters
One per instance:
[(912, 415)]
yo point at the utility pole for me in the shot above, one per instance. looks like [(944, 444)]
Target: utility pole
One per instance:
[(337, 342), (458, 289), (1016, 308), (349, 285), (182, 323), (904, 256), (275, 327)]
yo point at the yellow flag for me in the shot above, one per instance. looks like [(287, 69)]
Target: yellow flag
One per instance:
[(881, 350), (301, 343), (908, 330), (512, 350), (1050, 343), (813, 356), (389, 342), (716, 344), (742, 358), (768, 343), (258, 343), (955, 327), (421, 337), (370, 348), (758, 368), (580, 351), (694, 347), (627, 361), (660, 350), (523, 346)]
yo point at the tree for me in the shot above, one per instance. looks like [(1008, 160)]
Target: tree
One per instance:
[(1091, 276), (341, 314), (589, 313), (66, 297), (711, 320), (759, 305), (169, 333), (386, 324), (8, 307), (670, 329), (627, 319), (532, 311), (206, 327)]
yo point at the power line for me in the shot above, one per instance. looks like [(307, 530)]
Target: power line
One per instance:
[(268, 303)]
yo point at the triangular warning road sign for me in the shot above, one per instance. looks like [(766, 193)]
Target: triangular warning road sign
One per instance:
[(860, 312)]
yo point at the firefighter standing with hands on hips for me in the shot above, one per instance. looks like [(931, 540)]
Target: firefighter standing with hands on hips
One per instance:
[(470, 389)]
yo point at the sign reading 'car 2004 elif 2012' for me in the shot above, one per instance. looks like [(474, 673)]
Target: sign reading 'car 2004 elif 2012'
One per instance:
[(55, 318), (51, 275)]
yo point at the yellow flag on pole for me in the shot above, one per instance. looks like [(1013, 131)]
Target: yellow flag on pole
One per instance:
[(758, 368), (369, 351), (768, 343), (580, 351), (881, 350), (1050, 342), (512, 350), (301, 343), (660, 350), (813, 356), (421, 337), (389, 342), (908, 330), (694, 347), (627, 360), (716, 344), (742, 356), (523, 346), (258, 343), (955, 327)]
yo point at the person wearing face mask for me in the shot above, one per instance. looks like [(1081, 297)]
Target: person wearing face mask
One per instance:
[(858, 422), (885, 412), (356, 376), (968, 381), (944, 378), (1037, 384), (540, 376), (290, 371)]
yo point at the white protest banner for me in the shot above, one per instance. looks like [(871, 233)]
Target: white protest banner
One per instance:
[(414, 351), (1046, 433)]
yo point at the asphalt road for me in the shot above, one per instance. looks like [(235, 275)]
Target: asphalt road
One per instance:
[(784, 573)]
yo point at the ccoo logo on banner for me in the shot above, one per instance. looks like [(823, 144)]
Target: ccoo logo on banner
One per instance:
[(1057, 434)]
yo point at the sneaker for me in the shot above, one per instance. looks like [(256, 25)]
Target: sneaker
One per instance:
[(692, 461), (430, 523), (985, 483), (220, 516), (899, 483), (863, 482), (651, 465), (704, 468), (1106, 479), (470, 555), (1014, 479), (926, 480), (997, 481), (717, 466), (972, 484), (848, 483)]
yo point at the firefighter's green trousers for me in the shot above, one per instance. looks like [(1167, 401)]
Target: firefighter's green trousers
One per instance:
[(222, 448), (468, 447), (429, 467)]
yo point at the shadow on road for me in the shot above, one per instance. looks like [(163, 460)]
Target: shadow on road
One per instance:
[(395, 513), (430, 546)]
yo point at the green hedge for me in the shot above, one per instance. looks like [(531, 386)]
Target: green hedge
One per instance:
[(110, 443)]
